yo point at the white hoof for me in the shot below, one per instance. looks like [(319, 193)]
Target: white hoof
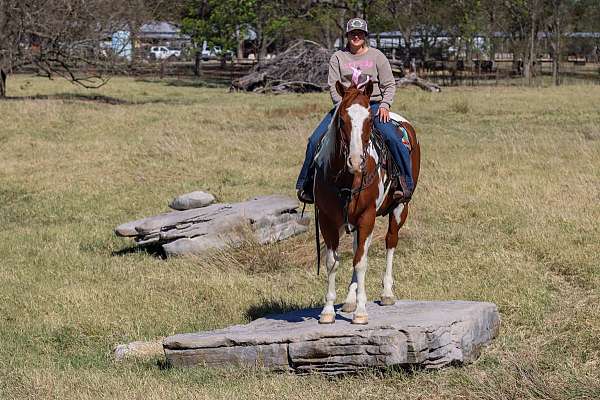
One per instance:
[(388, 301), (360, 319), (327, 319)]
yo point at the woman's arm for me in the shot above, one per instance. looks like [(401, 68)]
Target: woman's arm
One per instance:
[(387, 83), (333, 77)]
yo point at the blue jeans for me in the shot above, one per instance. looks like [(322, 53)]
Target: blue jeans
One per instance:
[(390, 134)]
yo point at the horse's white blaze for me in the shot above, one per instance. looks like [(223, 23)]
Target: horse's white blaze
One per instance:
[(388, 279), (358, 114)]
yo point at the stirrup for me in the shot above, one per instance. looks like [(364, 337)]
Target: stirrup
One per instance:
[(304, 196), (404, 194), (399, 195)]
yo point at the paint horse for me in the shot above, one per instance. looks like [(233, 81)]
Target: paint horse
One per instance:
[(351, 188)]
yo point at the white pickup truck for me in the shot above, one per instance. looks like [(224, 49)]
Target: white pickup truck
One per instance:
[(163, 52)]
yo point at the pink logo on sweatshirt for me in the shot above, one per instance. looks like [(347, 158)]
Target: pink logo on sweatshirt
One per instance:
[(360, 64)]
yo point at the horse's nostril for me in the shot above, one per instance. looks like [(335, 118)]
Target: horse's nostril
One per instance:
[(355, 163)]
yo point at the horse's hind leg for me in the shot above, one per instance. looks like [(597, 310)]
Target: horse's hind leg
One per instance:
[(396, 219)]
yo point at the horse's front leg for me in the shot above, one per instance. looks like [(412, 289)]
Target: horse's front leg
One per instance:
[(363, 241), (328, 313), (331, 238), (350, 303), (391, 240)]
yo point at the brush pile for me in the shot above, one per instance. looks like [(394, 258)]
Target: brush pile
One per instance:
[(302, 68)]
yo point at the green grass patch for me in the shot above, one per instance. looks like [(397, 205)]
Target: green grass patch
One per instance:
[(506, 210)]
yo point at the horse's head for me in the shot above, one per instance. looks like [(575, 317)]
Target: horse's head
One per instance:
[(355, 120)]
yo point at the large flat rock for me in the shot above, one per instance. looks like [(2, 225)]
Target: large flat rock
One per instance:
[(266, 219), (427, 334)]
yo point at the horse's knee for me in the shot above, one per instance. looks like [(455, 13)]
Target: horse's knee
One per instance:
[(391, 240)]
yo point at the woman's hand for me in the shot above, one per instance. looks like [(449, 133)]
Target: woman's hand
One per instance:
[(384, 114)]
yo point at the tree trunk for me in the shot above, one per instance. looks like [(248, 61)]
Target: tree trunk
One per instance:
[(527, 67), (240, 45), (198, 63), (555, 43), (134, 27), (555, 69), (2, 84), (531, 57)]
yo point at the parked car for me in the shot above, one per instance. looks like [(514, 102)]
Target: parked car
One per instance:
[(163, 52), (208, 53)]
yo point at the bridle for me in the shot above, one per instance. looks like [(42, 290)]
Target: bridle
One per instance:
[(346, 194)]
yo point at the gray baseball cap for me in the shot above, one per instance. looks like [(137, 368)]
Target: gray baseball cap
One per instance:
[(357, 24)]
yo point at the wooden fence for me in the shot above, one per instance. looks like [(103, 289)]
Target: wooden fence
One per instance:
[(444, 73)]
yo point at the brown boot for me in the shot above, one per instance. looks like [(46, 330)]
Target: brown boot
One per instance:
[(304, 196), (403, 194), (399, 195)]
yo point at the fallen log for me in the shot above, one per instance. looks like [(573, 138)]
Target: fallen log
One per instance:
[(413, 79)]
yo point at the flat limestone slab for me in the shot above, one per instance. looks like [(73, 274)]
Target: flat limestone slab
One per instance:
[(427, 334), (267, 219)]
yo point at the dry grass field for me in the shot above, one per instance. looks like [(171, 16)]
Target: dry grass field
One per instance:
[(507, 210)]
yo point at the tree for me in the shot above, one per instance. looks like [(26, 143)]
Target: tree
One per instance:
[(559, 16), (227, 22), (219, 22), (60, 37), (521, 20)]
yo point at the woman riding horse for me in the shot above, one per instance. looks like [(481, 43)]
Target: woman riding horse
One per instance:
[(342, 66)]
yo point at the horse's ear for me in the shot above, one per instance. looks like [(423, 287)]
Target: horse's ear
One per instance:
[(341, 89), (369, 88)]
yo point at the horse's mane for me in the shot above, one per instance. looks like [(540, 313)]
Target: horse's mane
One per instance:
[(323, 156)]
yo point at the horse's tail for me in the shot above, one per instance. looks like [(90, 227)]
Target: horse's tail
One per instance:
[(317, 239)]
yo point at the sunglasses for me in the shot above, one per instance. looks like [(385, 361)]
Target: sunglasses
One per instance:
[(360, 34)]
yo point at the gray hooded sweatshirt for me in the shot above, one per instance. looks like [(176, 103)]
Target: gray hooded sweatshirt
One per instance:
[(373, 63)]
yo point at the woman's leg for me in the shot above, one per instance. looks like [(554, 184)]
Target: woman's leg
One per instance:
[(399, 151), (307, 172)]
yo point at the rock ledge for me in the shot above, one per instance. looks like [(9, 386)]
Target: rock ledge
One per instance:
[(423, 334)]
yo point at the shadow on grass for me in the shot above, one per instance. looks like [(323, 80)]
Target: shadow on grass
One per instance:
[(95, 98), (98, 98), (153, 250), (191, 82), (163, 364)]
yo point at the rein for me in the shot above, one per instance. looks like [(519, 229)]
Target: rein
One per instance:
[(346, 194)]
